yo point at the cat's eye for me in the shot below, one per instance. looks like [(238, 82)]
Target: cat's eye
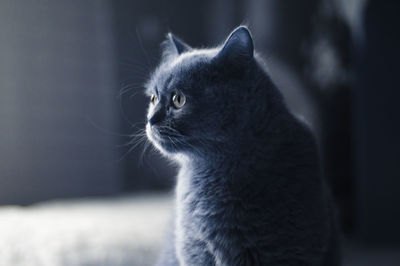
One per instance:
[(178, 100), (153, 99)]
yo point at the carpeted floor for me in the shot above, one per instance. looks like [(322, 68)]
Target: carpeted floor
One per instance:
[(103, 232), (124, 231)]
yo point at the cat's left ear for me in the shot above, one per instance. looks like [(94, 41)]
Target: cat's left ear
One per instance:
[(173, 46), (238, 48)]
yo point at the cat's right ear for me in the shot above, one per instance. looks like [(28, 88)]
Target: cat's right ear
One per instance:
[(173, 46), (238, 49)]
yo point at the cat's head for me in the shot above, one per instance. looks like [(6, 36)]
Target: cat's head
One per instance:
[(202, 98)]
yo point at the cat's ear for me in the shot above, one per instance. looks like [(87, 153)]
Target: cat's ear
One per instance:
[(238, 48), (173, 46)]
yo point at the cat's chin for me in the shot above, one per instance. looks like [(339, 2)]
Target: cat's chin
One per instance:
[(163, 145), (165, 148)]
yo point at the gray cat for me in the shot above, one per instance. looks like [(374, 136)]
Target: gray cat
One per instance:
[(249, 190)]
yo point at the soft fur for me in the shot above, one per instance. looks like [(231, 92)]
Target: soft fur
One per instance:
[(249, 190)]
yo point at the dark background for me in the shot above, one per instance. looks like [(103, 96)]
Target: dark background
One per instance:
[(72, 72)]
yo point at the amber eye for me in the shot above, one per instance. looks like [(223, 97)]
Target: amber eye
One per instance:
[(179, 100), (153, 99)]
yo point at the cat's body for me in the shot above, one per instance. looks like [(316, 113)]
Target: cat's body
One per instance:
[(249, 190)]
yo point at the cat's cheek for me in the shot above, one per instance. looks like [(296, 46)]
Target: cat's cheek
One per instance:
[(148, 133), (151, 138), (156, 143)]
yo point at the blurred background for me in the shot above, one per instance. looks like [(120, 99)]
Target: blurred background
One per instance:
[(77, 189)]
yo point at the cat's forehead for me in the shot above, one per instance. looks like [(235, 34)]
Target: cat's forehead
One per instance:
[(179, 69)]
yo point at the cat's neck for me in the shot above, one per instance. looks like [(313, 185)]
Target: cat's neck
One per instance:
[(286, 150), (248, 145)]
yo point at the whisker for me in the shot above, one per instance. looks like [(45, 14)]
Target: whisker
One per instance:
[(136, 138), (94, 124), (125, 116), (146, 55), (129, 88), (140, 140), (141, 158), (134, 66)]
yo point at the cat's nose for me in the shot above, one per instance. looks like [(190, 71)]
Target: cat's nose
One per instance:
[(157, 117)]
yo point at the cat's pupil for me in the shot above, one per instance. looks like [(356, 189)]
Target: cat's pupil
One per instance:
[(153, 99), (178, 100)]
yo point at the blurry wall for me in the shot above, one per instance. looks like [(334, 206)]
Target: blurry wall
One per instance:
[(376, 122), (57, 79)]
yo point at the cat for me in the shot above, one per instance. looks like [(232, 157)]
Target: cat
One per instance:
[(249, 190)]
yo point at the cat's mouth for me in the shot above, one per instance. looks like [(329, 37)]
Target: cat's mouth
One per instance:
[(159, 135), (153, 134), (164, 138)]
